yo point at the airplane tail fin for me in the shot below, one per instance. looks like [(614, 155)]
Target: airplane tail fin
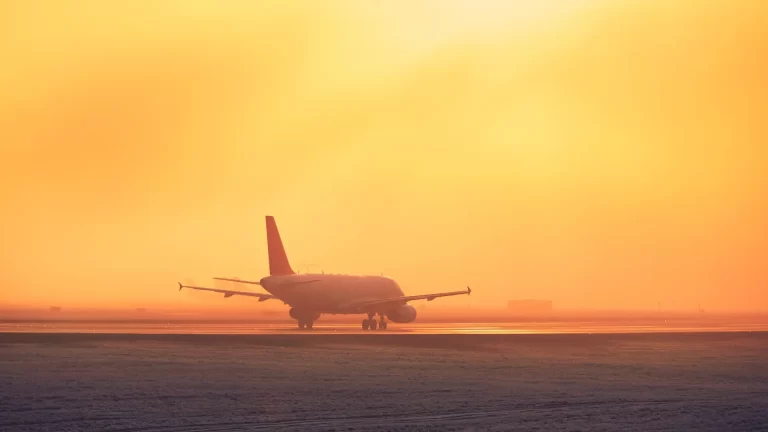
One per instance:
[(278, 260)]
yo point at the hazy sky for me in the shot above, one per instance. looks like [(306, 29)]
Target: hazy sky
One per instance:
[(598, 153)]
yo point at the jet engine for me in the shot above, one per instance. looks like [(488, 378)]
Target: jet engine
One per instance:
[(402, 314)]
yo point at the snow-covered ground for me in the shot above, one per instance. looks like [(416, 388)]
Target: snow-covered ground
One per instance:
[(639, 382)]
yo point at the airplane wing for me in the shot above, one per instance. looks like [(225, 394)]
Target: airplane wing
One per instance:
[(230, 293), (394, 301)]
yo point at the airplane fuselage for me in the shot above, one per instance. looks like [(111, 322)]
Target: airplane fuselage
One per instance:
[(329, 293)]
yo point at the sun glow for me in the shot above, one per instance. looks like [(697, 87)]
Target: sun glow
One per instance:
[(596, 153)]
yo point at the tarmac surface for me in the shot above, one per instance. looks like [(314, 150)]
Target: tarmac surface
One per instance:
[(157, 381)]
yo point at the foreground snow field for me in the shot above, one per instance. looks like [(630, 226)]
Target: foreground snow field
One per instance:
[(642, 382)]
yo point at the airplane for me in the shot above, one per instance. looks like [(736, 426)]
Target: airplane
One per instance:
[(311, 295)]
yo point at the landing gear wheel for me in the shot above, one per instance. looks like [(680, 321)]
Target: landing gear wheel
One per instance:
[(366, 324), (383, 325), (373, 324)]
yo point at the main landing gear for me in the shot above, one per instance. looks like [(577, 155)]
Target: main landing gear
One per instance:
[(370, 323), (305, 318)]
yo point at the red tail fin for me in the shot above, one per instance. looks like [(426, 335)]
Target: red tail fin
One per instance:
[(278, 260)]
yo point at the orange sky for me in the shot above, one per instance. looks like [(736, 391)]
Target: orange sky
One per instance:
[(598, 153)]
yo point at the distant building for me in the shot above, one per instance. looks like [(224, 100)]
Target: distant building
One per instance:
[(55, 309), (530, 306)]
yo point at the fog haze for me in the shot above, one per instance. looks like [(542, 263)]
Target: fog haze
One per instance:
[(598, 154)]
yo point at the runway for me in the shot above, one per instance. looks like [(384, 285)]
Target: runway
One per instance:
[(383, 381), (562, 327)]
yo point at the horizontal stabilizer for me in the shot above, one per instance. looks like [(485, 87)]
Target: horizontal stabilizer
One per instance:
[(238, 280), (230, 293), (259, 283)]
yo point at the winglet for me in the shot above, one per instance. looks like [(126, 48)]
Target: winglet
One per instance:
[(469, 290), (180, 286)]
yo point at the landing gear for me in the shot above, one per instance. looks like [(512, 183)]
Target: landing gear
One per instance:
[(304, 318), (372, 324)]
